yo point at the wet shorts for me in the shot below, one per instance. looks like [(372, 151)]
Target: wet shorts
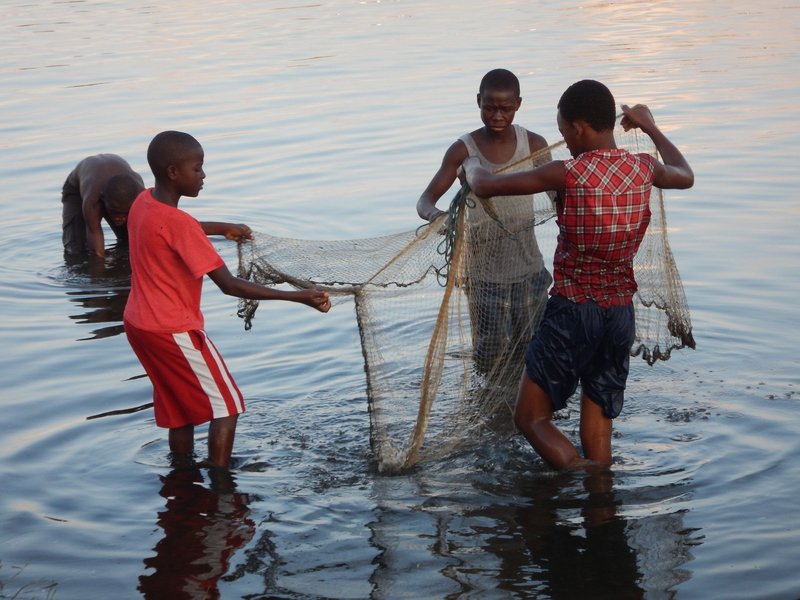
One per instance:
[(191, 384), (586, 344)]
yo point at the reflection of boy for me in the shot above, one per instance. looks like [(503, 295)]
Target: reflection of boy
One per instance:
[(202, 529), (603, 211), (507, 278), (100, 187), (170, 254)]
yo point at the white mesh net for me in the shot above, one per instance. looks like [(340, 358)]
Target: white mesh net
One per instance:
[(445, 312)]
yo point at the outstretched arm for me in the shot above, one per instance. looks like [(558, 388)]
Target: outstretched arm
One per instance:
[(441, 182), (548, 177), (675, 173), (233, 231), (241, 288)]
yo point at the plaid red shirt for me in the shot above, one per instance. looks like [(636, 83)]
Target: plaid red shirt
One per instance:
[(602, 220)]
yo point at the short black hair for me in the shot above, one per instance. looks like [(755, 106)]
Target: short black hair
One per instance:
[(119, 193), (590, 101), (499, 79), (169, 148)]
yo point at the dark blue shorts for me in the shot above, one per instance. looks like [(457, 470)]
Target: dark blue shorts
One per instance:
[(586, 344)]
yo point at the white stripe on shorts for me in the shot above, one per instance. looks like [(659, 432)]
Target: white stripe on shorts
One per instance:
[(198, 364), (224, 372)]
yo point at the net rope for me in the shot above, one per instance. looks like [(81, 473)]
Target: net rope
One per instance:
[(445, 312)]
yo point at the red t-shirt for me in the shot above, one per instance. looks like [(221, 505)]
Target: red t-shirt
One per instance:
[(602, 220), (169, 256)]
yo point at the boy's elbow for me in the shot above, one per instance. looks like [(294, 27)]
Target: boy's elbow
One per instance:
[(479, 190), (228, 285), (481, 187), (675, 180), (687, 180), (424, 206), (230, 290)]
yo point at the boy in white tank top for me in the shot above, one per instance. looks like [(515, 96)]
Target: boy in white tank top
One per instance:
[(507, 280)]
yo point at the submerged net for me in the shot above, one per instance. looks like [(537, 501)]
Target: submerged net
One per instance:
[(445, 312)]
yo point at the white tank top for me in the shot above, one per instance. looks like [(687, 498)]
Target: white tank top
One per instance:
[(509, 253)]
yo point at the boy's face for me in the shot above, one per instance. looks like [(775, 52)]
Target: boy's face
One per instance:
[(189, 173), (498, 108)]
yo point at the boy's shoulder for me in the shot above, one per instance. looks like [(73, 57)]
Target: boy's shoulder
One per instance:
[(535, 141), (146, 204), (158, 221), (638, 165)]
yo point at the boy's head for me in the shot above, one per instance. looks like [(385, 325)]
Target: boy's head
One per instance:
[(588, 101), (498, 99), (499, 79), (176, 158), (118, 195), (586, 116)]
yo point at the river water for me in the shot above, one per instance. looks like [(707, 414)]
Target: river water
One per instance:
[(326, 120)]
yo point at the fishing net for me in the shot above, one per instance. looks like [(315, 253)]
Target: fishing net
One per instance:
[(445, 312)]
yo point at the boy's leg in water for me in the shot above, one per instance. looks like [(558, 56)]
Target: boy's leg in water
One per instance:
[(220, 440), (181, 441), (595, 432), (534, 417)]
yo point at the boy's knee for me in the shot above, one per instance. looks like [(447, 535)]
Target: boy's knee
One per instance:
[(224, 423), (533, 403)]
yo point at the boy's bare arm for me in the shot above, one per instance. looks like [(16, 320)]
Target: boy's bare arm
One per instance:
[(675, 173), (233, 231), (441, 182), (548, 177), (241, 288), (92, 216), (92, 178)]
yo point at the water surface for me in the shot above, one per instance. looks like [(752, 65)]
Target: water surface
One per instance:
[(326, 120)]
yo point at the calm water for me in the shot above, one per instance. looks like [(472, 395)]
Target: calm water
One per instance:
[(327, 119)]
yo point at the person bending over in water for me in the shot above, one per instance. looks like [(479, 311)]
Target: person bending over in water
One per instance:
[(104, 186)]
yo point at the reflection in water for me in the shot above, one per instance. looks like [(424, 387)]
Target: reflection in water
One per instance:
[(563, 537), (574, 544), (106, 284), (202, 529)]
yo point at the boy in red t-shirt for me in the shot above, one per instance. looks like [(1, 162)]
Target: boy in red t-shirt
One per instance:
[(170, 254), (588, 327)]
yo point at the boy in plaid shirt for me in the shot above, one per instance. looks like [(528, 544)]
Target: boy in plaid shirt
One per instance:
[(588, 327)]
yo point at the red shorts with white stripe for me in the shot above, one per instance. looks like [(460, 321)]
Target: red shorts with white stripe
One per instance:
[(191, 384)]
